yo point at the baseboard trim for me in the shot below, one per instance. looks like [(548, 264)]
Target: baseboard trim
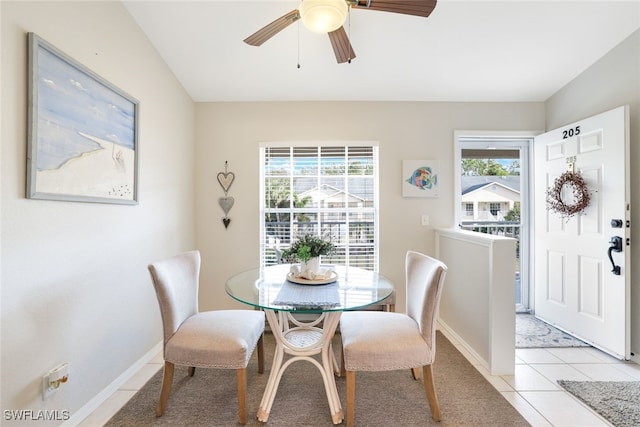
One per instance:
[(108, 391), (457, 339)]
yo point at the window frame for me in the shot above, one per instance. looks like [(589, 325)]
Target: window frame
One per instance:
[(345, 242), (492, 140)]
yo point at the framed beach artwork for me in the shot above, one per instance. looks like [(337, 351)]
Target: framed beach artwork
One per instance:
[(420, 178), (82, 132)]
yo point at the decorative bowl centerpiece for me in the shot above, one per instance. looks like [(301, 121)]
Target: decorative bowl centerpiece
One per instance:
[(307, 251)]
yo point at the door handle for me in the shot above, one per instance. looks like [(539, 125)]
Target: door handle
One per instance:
[(615, 246)]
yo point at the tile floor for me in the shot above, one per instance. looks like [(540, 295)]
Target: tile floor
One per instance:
[(533, 390)]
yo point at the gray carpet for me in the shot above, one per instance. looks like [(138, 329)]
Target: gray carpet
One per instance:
[(382, 398), (617, 401), (534, 333)]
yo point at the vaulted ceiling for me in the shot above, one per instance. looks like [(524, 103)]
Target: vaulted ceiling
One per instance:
[(468, 51)]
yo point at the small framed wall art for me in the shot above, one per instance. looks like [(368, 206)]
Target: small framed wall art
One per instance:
[(420, 178), (82, 132)]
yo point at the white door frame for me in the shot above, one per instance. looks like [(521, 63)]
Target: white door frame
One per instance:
[(522, 140)]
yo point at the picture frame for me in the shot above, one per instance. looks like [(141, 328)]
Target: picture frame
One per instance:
[(82, 132), (420, 178)]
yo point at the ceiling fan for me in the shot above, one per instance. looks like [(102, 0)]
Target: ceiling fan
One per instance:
[(328, 16)]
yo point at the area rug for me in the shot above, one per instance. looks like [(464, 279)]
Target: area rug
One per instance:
[(534, 333), (617, 401), (382, 398)]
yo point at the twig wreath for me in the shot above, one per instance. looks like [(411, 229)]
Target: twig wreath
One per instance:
[(579, 189)]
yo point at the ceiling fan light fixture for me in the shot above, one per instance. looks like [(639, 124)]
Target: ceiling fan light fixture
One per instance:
[(323, 16)]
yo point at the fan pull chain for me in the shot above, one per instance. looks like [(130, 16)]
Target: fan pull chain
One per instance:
[(349, 27), (298, 45)]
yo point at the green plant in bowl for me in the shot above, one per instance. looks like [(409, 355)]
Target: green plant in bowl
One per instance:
[(307, 247)]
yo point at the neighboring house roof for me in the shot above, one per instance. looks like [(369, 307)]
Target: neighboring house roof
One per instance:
[(470, 183), (329, 192)]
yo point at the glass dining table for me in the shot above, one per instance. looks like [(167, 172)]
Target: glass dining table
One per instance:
[(302, 337)]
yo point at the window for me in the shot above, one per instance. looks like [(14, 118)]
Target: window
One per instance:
[(328, 190), (468, 208), (494, 208)]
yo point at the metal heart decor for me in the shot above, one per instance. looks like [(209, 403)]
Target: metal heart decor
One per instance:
[(226, 179), (226, 203)]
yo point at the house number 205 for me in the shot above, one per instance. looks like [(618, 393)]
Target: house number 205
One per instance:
[(568, 133)]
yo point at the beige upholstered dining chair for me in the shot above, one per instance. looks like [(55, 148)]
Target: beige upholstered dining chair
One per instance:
[(387, 341), (222, 339)]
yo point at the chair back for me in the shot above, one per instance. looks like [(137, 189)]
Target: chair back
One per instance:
[(425, 278), (176, 283)]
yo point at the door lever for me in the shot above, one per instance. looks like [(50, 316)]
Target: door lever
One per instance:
[(616, 246)]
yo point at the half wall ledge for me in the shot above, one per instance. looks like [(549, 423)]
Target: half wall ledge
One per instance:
[(478, 300)]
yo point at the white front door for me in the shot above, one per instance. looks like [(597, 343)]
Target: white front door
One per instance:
[(575, 287)]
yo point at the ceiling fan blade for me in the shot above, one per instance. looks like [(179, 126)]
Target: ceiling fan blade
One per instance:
[(270, 30), (341, 45), (406, 7)]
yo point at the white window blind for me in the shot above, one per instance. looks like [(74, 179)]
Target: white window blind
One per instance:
[(330, 191)]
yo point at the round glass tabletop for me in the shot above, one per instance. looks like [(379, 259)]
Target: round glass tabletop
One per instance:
[(268, 288)]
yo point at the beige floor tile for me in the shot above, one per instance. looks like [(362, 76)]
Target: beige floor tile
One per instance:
[(536, 355), (141, 377), (108, 409), (574, 355), (496, 381), (527, 378), (555, 372), (525, 409), (562, 410), (603, 372), (158, 358), (630, 368)]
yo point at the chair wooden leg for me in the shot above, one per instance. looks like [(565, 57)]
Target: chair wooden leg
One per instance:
[(192, 371), (343, 370), (351, 398), (261, 354), (430, 388), (167, 381), (415, 372), (242, 395)]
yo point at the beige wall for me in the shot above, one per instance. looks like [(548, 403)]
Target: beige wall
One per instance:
[(73, 275), (405, 130), (611, 82), (75, 287)]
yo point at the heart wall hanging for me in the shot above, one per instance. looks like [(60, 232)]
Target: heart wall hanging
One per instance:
[(225, 179)]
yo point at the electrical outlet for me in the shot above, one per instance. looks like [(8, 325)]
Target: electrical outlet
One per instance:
[(425, 219), (52, 380)]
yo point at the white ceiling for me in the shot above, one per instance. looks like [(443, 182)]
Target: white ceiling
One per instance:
[(509, 50)]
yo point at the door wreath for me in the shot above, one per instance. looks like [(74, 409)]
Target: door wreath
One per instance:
[(579, 189)]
